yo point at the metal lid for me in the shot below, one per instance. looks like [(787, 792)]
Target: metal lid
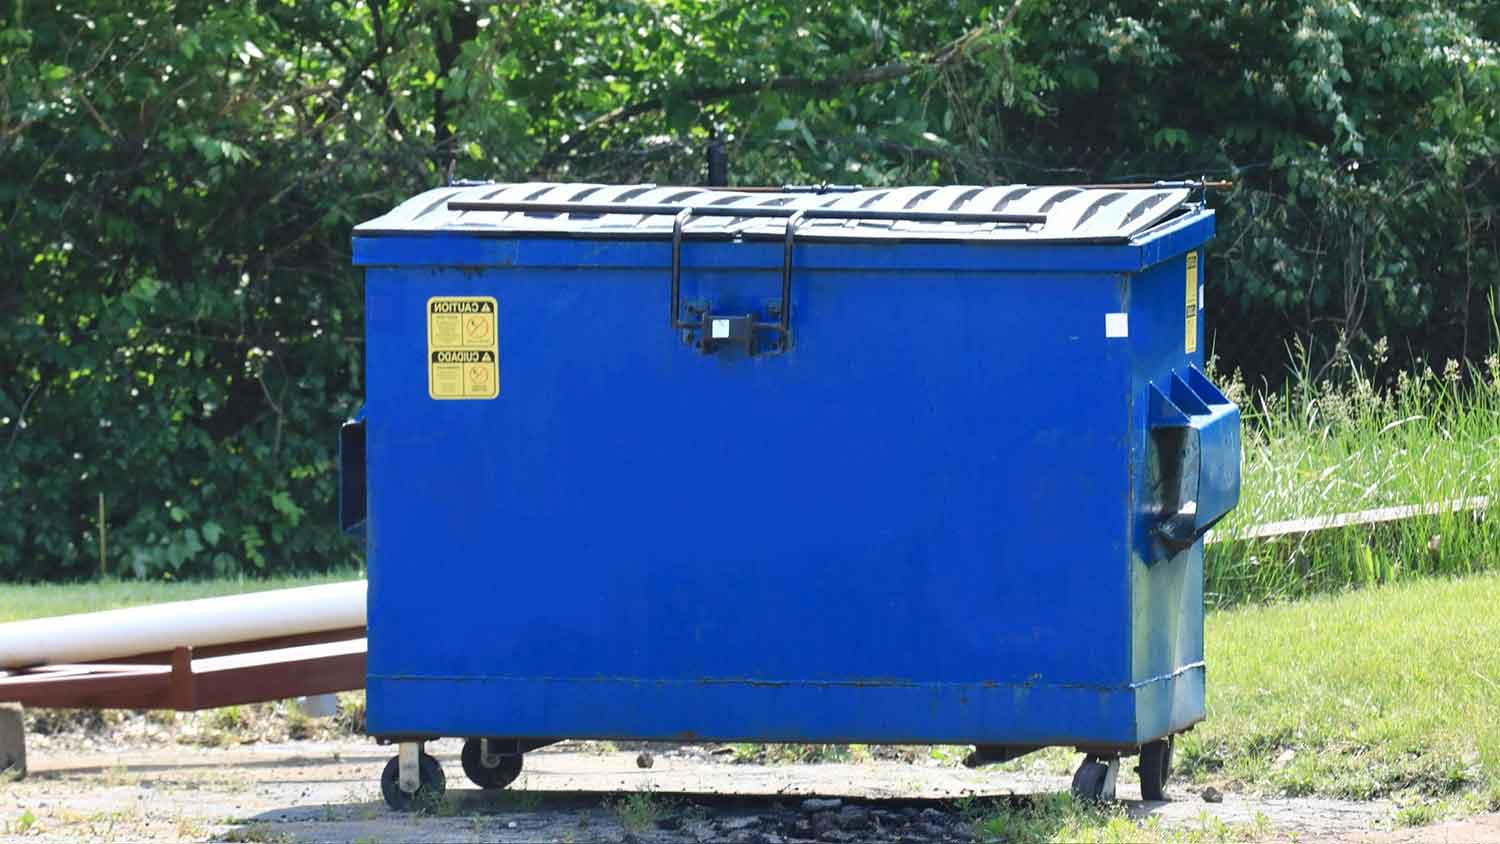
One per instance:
[(1005, 213)]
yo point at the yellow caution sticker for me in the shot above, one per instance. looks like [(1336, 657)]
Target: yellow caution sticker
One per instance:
[(1190, 344), (463, 347)]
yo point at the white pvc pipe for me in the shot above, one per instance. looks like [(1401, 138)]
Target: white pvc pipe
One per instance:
[(115, 634)]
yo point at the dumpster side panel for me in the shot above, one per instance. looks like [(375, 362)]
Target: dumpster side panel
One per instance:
[(1167, 591), (911, 527)]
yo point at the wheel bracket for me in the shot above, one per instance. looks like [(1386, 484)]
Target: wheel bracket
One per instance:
[(409, 754)]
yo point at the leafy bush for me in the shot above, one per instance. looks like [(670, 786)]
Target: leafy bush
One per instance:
[(180, 334)]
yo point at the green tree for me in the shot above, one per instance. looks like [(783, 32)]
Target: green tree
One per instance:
[(181, 333)]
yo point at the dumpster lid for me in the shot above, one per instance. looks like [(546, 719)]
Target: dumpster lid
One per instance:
[(1023, 213)]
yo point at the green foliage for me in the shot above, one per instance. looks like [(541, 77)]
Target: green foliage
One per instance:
[(1316, 450), (1059, 818), (183, 336), (180, 330)]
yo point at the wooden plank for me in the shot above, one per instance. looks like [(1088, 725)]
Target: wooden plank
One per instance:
[(284, 673), (1362, 518), (190, 683)]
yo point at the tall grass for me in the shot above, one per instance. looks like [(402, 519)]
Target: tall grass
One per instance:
[(1316, 449)]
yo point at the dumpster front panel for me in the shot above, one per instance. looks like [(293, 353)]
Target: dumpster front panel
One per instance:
[(961, 505), (890, 533)]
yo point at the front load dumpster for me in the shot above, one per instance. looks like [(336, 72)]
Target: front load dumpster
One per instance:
[(917, 465)]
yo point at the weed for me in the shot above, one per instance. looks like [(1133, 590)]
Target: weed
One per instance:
[(46, 722), (694, 813), (188, 828), (517, 799), (781, 754), (229, 719), (1059, 818), (118, 776), (258, 833), (208, 738), (350, 718), (25, 822), (637, 811), (441, 807), (298, 724), (971, 807), (948, 754), (1418, 814)]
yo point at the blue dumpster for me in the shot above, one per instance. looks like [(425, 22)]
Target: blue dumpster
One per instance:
[(913, 465)]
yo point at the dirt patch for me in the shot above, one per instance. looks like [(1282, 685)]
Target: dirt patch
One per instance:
[(317, 791), (1484, 829)]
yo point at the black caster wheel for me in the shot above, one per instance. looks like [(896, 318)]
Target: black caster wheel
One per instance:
[(497, 777), (431, 784), (1155, 768), (1092, 782)]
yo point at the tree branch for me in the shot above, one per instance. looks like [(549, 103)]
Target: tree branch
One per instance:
[(936, 59)]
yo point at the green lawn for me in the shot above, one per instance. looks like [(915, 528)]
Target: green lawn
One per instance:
[(1392, 691), (19, 602)]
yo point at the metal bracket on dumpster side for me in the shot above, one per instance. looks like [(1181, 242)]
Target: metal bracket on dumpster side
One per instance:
[(1195, 437), (352, 476)]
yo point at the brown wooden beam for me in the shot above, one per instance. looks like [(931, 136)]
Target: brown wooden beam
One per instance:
[(1362, 518), (191, 682)]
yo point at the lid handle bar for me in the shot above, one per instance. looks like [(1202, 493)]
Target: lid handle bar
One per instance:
[(682, 214), (910, 215), (786, 277), (675, 319)]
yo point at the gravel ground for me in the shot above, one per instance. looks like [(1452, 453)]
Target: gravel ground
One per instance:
[(328, 791)]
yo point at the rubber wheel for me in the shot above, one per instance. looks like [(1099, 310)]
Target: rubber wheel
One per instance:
[(498, 777), (1155, 769), (1088, 781), (430, 788)]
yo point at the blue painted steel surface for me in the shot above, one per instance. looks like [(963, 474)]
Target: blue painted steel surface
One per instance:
[(931, 520)]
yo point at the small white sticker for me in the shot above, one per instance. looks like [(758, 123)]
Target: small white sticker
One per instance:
[(1117, 325), (1200, 297), (721, 329)]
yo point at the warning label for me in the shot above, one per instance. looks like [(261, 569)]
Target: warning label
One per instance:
[(1190, 343), (463, 351)]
